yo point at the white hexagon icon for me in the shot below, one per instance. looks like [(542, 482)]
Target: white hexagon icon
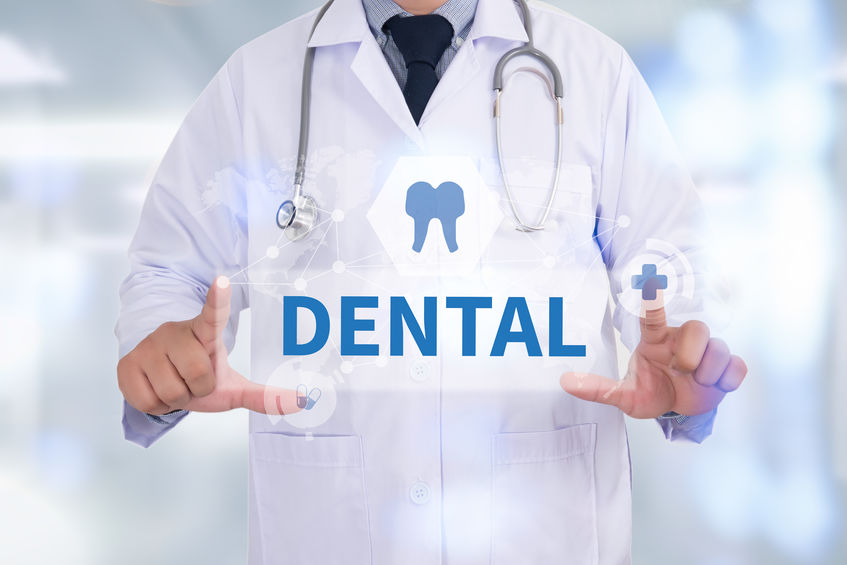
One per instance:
[(435, 216)]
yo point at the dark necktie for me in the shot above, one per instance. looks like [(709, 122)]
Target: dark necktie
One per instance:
[(422, 41)]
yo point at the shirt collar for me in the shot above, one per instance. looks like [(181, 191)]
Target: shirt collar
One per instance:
[(460, 14), (347, 21)]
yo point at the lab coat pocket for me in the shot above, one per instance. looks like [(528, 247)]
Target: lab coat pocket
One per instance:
[(310, 499), (544, 503), (572, 212), (531, 183), (568, 227)]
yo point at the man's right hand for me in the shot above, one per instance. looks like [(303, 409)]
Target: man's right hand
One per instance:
[(184, 366)]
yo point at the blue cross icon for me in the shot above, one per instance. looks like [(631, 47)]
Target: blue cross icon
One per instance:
[(649, 281)]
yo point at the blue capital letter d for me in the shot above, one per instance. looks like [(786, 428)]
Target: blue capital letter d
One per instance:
[(290, 305)]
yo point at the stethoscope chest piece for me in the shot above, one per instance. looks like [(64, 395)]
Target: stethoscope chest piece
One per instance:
[(297, 217)]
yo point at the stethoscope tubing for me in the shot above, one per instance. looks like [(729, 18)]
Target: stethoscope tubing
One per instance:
[(306, 107), (289, 208)]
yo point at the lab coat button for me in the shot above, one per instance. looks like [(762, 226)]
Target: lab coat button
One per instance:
[(419, 372), (419, 493)]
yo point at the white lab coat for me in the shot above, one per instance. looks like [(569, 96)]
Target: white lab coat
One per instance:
[(447, 459)]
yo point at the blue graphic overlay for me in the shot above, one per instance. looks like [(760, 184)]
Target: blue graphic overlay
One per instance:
[(307, 399), (423, 203), (649, 282), (424, 335)]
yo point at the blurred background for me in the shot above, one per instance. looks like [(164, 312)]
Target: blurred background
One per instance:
[(91, 92)]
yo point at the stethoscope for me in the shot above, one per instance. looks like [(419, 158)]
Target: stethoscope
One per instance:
[(299, 215)]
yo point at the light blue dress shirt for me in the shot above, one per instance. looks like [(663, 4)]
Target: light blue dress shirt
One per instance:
[(460, 14)]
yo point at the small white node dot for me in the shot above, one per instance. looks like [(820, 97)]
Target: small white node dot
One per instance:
[(347, 367), (272, 252), (549, 262), (624, 221), (338, 215), (339, 267), (300, 284), (222, 282), (381, 361)]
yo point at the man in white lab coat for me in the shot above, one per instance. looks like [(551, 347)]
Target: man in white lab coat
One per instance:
[(397, 414)]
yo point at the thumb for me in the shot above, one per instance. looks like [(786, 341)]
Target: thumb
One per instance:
[(593, 388), (267, 399), (210, 323)]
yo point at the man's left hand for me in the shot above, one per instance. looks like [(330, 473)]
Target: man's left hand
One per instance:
[(681, 370)]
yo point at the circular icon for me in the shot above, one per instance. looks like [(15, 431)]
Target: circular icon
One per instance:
[(662, 260), (316, 396)]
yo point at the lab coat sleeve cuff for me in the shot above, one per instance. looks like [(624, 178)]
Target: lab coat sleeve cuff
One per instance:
[(694, 428), (144, 429)]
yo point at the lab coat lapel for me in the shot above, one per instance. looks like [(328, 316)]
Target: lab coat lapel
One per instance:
[(461, 71), (493, 19), (498, 18), (345, 22), (373, 71)]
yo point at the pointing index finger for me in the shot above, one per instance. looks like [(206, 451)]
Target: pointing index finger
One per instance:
[(212, 320), (269, 400), (654, 324)]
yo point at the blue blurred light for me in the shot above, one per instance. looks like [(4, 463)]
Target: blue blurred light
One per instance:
[(64, 460), (48, 183), (716, 128), (64, 279), (729, 488), (798, 260), (709, 43), (798, 514), (801, 119), (787, 17)]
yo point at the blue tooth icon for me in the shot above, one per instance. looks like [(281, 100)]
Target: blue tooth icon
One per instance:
[(425, 203)]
